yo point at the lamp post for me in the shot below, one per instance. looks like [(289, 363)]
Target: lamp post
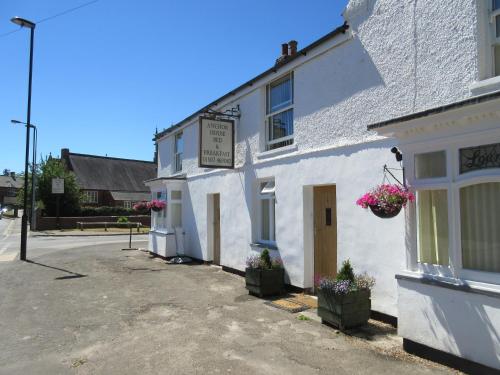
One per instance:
[(24, 221), (33, 171)]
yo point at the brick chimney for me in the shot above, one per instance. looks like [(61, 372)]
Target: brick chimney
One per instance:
[(65, 156), (293, 47), (13, 175)]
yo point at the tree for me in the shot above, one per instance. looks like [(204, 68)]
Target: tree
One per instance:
[(6, 172), (69, 202)]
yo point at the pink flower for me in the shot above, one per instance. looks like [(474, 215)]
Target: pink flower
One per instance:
[(388, 197)]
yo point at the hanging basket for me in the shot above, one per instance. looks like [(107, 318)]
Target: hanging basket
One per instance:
[(156, 209), (383, 214)]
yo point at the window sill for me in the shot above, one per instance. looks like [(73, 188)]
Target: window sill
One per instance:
[(485, 86), (490, 290), (263, 246), (276, 152), (164, 232)]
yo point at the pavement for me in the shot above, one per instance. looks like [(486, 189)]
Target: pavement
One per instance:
[(100, 310), (44, 243)]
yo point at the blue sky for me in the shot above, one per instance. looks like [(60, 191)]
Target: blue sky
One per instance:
[(106, 75)]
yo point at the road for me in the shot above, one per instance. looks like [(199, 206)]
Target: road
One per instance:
[(10, 237)]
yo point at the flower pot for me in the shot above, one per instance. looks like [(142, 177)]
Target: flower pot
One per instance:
[(379, 212), (265, 282), (346, 310), (156, 209)]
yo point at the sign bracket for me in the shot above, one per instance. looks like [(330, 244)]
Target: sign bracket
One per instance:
[(232, 113)]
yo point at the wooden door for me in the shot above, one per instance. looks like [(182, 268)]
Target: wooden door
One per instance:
[(216, 237), (325, 231)]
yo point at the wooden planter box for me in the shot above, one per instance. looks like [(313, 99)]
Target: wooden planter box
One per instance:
[(265, 282), (344, 311)]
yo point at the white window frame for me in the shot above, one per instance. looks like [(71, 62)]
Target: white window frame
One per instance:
[(91, 196), (178, 156), (272, 213), (453, 182), (127, 204), (160, 194), (269, 114)]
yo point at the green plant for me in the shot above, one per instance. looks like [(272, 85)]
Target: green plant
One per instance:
[(122, 219), (303, 317), (346, 273), (265, 258)]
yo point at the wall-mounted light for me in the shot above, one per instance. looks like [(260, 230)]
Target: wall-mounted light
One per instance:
[(399, 155)]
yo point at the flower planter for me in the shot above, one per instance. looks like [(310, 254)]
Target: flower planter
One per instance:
[(344, 310), (156, 209), (377, 211), (262, 282)]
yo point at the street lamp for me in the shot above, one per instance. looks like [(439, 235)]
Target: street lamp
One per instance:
[(33, 171), (24, 221)]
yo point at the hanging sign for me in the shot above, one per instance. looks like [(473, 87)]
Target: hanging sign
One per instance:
[(480, 157), (216, 141), (58, 186)]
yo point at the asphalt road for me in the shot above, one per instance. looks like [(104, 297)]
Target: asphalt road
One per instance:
[(100, 310), (10, 237)]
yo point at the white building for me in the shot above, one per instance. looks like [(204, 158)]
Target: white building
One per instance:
[(294, 184)]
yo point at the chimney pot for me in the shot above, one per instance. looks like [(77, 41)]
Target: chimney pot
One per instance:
[(13, 175), (293, 47)]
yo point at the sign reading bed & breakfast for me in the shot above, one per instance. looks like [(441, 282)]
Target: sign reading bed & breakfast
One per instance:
[(216, 141)]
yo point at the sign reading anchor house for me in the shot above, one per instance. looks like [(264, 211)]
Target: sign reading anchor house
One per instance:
[(216, 143)]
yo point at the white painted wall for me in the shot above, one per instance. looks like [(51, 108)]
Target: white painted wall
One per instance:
[(398, 57), (464, 324)]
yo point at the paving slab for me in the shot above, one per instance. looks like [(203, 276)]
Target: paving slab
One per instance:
[(100, 310)]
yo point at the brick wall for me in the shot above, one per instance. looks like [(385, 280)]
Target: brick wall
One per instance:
[(48, 223)]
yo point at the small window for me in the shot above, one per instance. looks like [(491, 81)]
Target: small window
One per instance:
[(430, 165), (176, 194), (178, 152), (432, 224), (90, 196), (127, 204), (267, 218), (279, 121), (479, 219)]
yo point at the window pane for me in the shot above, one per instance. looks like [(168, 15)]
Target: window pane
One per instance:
[(430, 165), (496, 4), (273, 202), (497, 26), (179, 143), (432, 211), (176, 214), (480, 218), (176, 194), (265, 220), (280, 93), (497, 60), (281, 125)]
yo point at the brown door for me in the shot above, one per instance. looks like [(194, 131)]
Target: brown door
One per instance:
[(325, 231), (216, 218)]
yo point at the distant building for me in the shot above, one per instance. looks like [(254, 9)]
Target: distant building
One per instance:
[(9, 186), (108, 181)]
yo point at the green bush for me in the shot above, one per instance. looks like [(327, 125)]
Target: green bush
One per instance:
[(346, 272), (265, 259), (105, 211), (122, 219)]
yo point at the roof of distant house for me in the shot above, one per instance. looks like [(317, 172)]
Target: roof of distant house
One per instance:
[(279, 63), (107, 173), (9, 182)]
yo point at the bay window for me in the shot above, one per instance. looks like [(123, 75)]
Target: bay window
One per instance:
[(495, 33), (279, 120), (457, 211)]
